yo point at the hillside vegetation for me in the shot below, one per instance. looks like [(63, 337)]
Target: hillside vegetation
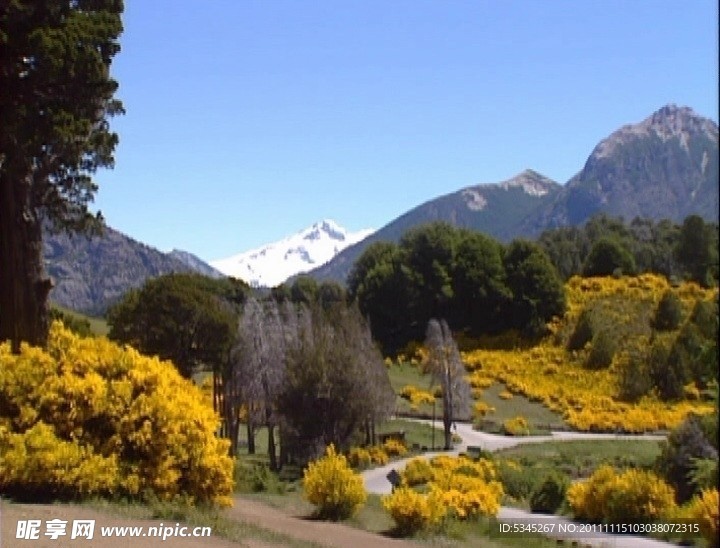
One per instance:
[(593, 397)]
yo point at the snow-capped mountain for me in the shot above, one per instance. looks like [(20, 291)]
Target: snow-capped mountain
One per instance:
[(274, 263)]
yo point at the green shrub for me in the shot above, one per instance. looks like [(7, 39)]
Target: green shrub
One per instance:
[(517, 481), (677, 461), (602, 351), (668, 314), (583, 332), (550, 494), (667, 370), (634, 380)]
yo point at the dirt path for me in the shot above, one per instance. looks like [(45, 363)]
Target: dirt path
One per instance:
[(321, 532), (376, 482), (245, 511)]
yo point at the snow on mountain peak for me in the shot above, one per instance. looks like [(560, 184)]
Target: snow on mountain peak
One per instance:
[(272, 264)]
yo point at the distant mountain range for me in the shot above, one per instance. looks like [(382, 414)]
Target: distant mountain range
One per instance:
[(663, 167), (274, 263), (92, 273)]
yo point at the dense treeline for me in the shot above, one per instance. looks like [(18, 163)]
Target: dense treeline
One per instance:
[(439, 271), (482, 286), (604, 246), (290, 360)]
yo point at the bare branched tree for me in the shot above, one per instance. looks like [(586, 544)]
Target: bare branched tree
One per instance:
[(446, 367), (335, 383), (257, 371)]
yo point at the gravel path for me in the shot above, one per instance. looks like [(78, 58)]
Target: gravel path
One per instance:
[(376, 482)]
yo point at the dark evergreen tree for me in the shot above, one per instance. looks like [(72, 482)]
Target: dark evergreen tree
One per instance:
[(57, 97), (608, 256), (177, 318), (696, 250), (537, 291)]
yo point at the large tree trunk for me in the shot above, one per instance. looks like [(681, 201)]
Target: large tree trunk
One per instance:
[(24, 287)]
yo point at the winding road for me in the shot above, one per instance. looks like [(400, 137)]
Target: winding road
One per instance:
[(376, 482)]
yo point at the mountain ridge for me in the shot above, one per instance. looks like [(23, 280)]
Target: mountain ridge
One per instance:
[(665, 166), (272, 264)]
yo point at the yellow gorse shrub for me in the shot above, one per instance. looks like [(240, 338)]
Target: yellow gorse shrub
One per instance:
[(412, 511), (588, 400), (633, 496), (517, 426), (458, 487), (704, 510), (394, 448), (89, 417), (332, 486), (416, 396), (417, 471)]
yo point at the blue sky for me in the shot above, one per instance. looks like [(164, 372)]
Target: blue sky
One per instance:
[(249, 120)]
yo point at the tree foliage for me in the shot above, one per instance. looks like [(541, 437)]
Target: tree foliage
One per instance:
[(332, 360), (179, 317), (697, 250), (57, 97), (653, 246), (537, 291), (608, 256), (255, 373), (440, 271)]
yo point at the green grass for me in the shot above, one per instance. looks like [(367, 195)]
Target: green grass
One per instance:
[(579, 458), (98, 326), (415, 433), (404, 374), (372, 517), (540, 419)]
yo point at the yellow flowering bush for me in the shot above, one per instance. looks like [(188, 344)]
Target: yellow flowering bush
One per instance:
[(480, 409), (330, 484), (412, 511), (703, 510), (394, 448), (589, 400), (416, 396), (87, 416), (417, 471), (633, 496), (359, 457), (378, 455), (38, 464), (517, 426), (461, 487)]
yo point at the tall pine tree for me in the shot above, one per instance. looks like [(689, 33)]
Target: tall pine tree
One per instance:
[(57, 96)]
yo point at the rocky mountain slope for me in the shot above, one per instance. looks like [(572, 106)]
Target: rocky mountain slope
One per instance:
[(495, 209), (664, 167), (91, 273)]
